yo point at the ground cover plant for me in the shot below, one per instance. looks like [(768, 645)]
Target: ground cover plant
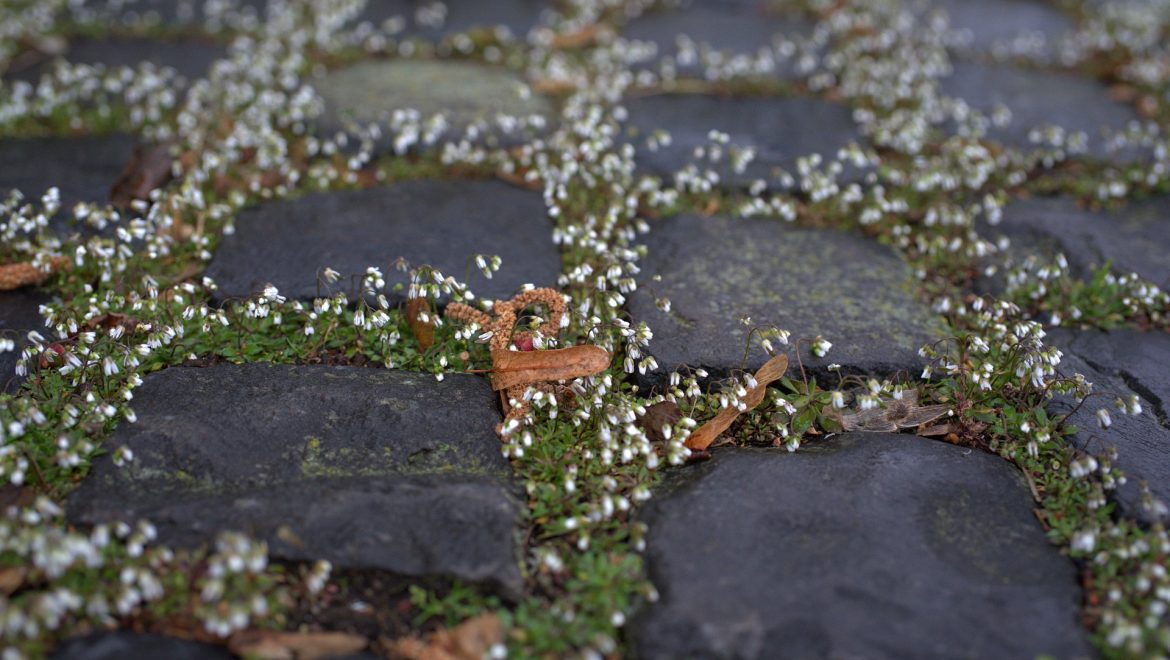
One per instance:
[(590, 421)]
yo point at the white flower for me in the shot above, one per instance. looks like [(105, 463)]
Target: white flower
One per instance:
[(821, 346), (1083, 541), (272, 294), (123, 455), (1103, 418)]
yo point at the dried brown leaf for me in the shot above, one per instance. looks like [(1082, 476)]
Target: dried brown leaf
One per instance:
[(277, 645), (904, 413), (579, 39), (520, 180), (113, 320), (148, 169), (11, 577), (15, 276), (874, 420), (920, 415), (938, 430), (518, 368), (1122, 93), (424, 332), (772, 370), (1147, 106), (663, 413), (553, 87), (470, 640), (16, 496)]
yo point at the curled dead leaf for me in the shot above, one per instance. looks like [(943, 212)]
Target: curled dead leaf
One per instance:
[(519, 368), (470, 640), (11, 577), (16, 496), (520, 180), (772, 370), (1122, 93), (424, 332), (1147, 106), (894, 414), (149, 168), (578, 39), (113, 320), (15, 276), (278, 645), (553, 87), (659, 415), (937, 430)]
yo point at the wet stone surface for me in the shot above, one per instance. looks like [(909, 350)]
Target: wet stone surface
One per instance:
[(781, 130), (863, 545), (19, 313), (371, 469), (750, 31), (124, 644), (189, 57), (1134, 238), (1121, 363), (716, 271), (1038, 99), (1004, 26), (83, 168), (463, 92), (235, 14), (418, 19), (440, 223)]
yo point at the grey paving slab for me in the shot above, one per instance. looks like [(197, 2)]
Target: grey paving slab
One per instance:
[(863, 545), (984, 25), (715, 271), (1037, 99), (1121, 363), (1132, 238), (182, 14), (369, 468), (685, 34), (124, 644), (463, 92), (440, 223), (414, 18), (19, 313), (83, 167), (190, 57), (1141, 358), (780, 129)]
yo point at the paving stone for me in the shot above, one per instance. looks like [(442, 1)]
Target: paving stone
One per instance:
[(715, 271), (83, 168), (733, 28), (441, 223), (1135, 238), (19, 313), (1037, 99), (863, 545), (985, 25), (517, 17), (174, 13), (371, 469), (1122, 363), (124, 644), (190, 57), (1141, 358), (463, 92), (780, 129)]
